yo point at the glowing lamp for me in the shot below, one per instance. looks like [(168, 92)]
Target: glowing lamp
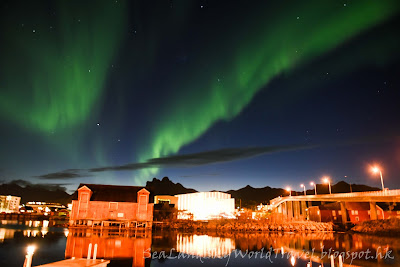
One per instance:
[(30, 250)]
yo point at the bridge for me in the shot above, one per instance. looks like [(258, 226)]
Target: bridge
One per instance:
[(294, 207)]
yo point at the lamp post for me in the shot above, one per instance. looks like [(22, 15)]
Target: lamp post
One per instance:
[(304, 187), (28, 257), (315, 187), (377, 170), (328, 181), (289, 190)]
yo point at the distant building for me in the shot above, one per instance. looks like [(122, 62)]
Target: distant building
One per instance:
[(108, 205), (9, 204), (44, 207), (205, 206), (356, 212), (160, 199)]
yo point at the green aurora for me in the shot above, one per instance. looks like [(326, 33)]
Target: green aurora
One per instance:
[(264, 48), (58, 81), (64, 68)]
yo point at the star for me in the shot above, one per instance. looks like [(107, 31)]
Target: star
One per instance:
[(89, 70), (298, 17), (98, 124), (33, 31)]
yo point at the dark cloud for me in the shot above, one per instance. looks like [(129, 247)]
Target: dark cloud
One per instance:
[(182, 161), (202, 158), (66, 174), (47, 186)]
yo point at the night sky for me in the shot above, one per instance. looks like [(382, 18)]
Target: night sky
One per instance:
[(213, 94)]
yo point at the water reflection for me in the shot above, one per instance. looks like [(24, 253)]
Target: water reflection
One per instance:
[(204, 245), (129, 249), (111, 245)]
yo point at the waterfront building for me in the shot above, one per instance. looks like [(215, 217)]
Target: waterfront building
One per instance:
[(356, 212), (44, 208), (205, 206), (96, 205), (9, 204), (171, 200)]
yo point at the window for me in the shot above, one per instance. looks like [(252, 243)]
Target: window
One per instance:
[(113, 205), (120, 215), (85, 197), (333, 212), (356, 212), (143, 199)]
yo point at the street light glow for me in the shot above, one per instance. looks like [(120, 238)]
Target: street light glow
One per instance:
[(30, 249), (375, 169), (289, 190), (312, 183), (326, 180)]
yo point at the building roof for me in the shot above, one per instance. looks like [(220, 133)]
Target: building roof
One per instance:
[(114, 193)]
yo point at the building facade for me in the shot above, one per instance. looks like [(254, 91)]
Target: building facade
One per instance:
[(96, 205), (9, 204), (356, 212), (205, 206)]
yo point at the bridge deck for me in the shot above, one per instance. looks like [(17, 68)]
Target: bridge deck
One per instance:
[(371, 196)]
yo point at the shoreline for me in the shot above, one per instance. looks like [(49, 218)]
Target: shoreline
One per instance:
[(248, 226), (385, 227)]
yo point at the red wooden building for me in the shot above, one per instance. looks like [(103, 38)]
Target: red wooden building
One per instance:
[(95, 205), (356, 212)]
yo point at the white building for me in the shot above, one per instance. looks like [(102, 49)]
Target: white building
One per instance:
[(206, 205), (9, 204)]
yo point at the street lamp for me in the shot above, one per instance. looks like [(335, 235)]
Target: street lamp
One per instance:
[(327, 181), (28, 257), (377, 170), (315, 186), (289, 190), (304, 187)]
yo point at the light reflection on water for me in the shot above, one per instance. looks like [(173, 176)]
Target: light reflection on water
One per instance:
[(129, 249), (204, 245)]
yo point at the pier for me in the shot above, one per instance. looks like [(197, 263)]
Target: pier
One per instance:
[(77, 263)]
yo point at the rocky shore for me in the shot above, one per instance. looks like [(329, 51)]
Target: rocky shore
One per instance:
[(249, 226), (381, 227)]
